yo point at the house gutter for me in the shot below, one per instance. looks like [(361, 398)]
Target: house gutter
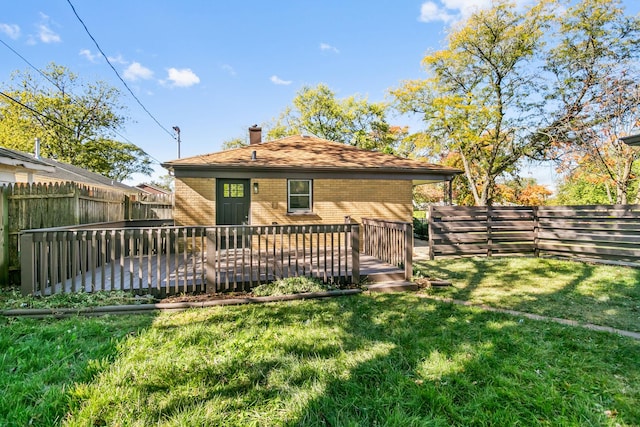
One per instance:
[(27, 165), (169, 307)]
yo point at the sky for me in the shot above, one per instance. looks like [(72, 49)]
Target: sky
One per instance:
[(214, 68)]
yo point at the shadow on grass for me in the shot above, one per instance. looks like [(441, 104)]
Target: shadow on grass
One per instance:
[(42, 360), (604, 295), (467, 367), (365, 360)]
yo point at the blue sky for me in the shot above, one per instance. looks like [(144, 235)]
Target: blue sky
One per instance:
[(214, 68)]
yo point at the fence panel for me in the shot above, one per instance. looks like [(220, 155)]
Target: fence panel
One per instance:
[(481, 230), (35, 206), (600, 233)]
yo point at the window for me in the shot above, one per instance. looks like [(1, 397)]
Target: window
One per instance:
[(233, 190), (299, 195)]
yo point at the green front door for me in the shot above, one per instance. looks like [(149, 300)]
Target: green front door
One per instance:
[(232, 201)]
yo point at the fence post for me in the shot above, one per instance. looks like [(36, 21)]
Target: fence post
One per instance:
[(408, 251), (27, 278), (355, 253), (4, 235), (536, 231), (489, 238), (430, 231)]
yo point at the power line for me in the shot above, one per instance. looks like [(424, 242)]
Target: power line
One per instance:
[(116, 71), (25, 60), (51, 119), (43, 74), (36, 112)]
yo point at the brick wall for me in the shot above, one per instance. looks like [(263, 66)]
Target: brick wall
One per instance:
[(333, 199), (195, 201)]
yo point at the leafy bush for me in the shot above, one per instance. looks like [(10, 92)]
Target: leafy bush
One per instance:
[(420, 228), (291, 285)]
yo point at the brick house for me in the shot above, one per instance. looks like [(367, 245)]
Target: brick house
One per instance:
[(297, 179)]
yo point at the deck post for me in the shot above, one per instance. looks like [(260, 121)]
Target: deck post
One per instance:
[(27, 264), (408, 251), (211, 284), (430, 232), (355, 253)]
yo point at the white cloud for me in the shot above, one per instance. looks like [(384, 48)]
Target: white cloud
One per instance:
[(278, 81), (430, 12), (117, 60), (229, 69), (328, 47), (11, 30), (90, 56), (183, 77), (47, 35), (449, 11), (137, 71)]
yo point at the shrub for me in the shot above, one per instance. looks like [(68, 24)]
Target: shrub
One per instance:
[(291, 285)]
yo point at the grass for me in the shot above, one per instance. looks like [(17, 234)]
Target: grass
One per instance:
[(42, 361), (385, 359), (291, 285), (11, 298), (600, 294), (369, 360), (396, 360)]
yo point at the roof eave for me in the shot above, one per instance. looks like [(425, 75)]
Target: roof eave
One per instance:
[(632, 140), (259, 171)]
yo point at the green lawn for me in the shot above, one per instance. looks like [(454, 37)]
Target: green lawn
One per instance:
[(386, 359), (600, 294)]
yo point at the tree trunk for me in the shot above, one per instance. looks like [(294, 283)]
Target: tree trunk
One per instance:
[(471, 182)]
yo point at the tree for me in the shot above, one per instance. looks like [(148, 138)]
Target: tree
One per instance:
[(351, 120), (595, 95), (232, 143), (583, 189), (75, 121), (166, 181), (522, 191), (113, 159), (476, 102)]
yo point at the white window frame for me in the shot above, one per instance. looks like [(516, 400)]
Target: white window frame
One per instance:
[(289, 194)]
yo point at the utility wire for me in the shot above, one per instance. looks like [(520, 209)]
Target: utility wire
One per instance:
[(51, 119), (116, 71), (55, 85), (36, 112)]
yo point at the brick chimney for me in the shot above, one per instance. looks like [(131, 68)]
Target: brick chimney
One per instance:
[(255, 135)]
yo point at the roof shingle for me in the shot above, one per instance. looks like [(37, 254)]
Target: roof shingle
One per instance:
[(306, 152)]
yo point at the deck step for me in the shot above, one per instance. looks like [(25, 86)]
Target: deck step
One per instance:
[(395, 286), (388, 276)]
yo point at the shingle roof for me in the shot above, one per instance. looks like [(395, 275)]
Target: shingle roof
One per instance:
[(19, 158), (307, 152), (59, 171)]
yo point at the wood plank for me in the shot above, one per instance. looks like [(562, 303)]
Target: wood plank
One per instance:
[(591, 250)]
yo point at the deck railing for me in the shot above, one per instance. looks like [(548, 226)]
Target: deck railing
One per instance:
[(241, 257), (389, 241), (157, 260), (173, 260)]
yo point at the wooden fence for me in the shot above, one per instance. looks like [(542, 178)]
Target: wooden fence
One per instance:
[(389, 241), (608, 233), (25, 207), (172, 260)]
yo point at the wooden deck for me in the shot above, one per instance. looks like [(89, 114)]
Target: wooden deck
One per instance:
[(165, 275)]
